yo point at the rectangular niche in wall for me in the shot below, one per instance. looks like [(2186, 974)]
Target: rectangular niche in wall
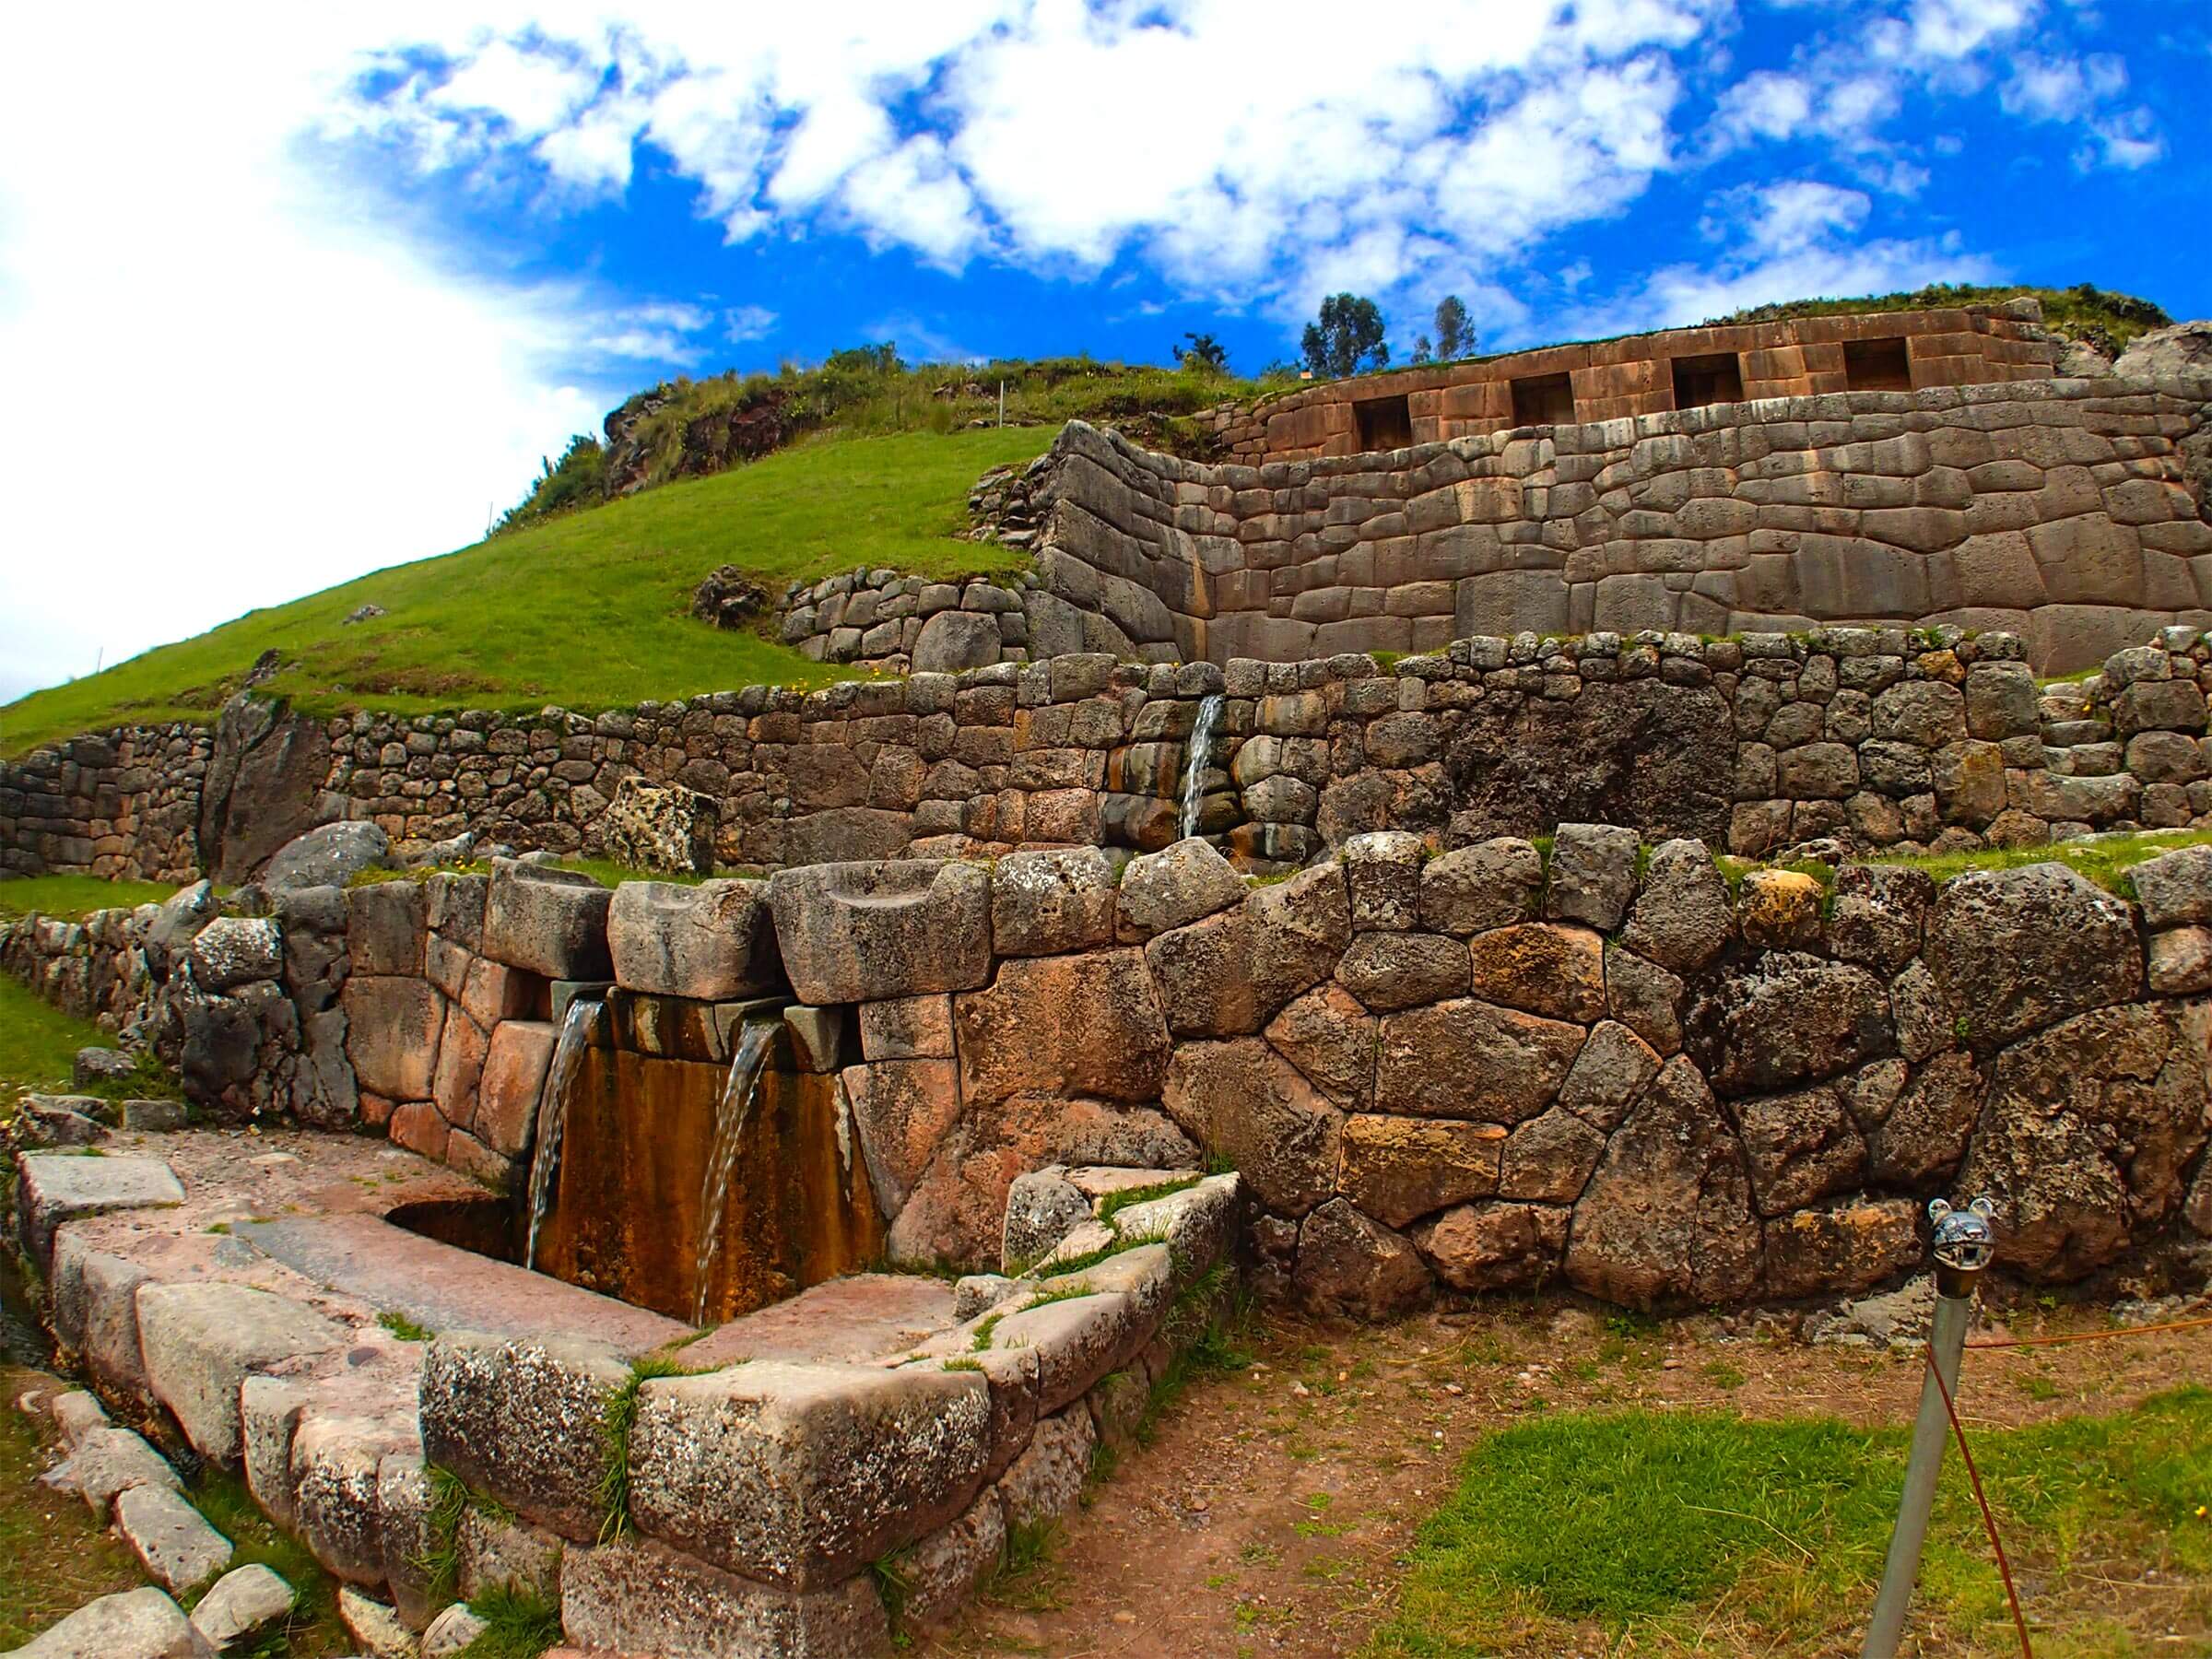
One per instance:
[(1699, 380), (1544, 400), (1386, 423), (1877, 366)]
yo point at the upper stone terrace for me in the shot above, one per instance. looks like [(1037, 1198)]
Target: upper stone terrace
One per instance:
[(1644, 375)]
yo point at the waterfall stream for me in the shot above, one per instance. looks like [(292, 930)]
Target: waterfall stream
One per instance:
[(731, 1112), (576, 1033), (1203, 734)]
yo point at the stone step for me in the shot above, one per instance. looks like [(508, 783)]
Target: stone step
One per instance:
[(866, 1316), (244, 1604), (137, 1624), (57, 1187), (172, 1541), (444, 1288)]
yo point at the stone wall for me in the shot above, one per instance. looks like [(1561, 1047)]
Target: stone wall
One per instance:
[(1487, 1068), (1501, 1068), (1884, 737), (1804, 356), (239, 997), (2063, 511), (122, 804)]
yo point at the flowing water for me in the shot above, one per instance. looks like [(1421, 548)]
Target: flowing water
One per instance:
[(730, 1111), (1203, 734), (576, 1034)]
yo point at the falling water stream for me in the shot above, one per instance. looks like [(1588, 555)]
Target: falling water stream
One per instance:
[(730, 1111), (1193, 767), (576, 1034)]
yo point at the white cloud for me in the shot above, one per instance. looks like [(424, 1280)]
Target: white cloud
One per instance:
[(1786, 240), (1788, 217), (2129, 140), (289, 350), (745, 323), (1957, 29)]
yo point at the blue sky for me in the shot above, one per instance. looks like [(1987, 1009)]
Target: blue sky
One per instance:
[(306, 294)]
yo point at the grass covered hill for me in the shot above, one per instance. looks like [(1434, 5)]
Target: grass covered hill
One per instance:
[(587, 610), (581, 597)]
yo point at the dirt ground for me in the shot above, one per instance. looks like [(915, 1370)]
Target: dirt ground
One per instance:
[(1271, 1511)]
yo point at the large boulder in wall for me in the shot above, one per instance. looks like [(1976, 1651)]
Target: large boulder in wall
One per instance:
[(264, 788), (1667, 1221), (1643, 751)]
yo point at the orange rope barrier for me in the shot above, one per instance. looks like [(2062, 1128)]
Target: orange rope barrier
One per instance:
[(2020, 1342), (1989, 1521)]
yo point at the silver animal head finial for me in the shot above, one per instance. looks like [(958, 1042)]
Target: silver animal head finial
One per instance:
[(1965, 1239)]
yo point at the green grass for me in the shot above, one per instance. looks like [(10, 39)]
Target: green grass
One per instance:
[(620, 1418), (73, 898), (1667, 1529), (405, 1329), (314, 1628), (2105, 861), (586, 611), (54, 1556), (38, 1043), (518, 1624), (2082, 310)]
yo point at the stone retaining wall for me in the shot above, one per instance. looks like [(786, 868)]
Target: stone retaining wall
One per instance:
[(124, 803), (1475, 1067), (2069, 511), (1798, 357), (1886, 738), (1498, 1068)]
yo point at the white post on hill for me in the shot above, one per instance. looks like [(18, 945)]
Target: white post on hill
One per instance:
[(1001, 403)]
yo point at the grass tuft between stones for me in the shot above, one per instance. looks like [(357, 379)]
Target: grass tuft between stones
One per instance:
[(518, 1624), (405, 1329), (615, 1427), (312, 1627), (1113, 1204)]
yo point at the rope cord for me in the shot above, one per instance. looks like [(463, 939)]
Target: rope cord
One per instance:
[(2020, 1342), (1989, 1521)]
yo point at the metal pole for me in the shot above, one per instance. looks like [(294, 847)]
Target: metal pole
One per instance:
[(1001, 403), (1963, 1245)]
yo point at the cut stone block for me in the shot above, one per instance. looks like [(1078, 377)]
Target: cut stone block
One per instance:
[(57, 1187), (1046, 1480), (862, 932), (549, 921), (109, 1462), (335, 1511), (801, 1475), (1076, 1341), (636, 1597), (241, 1605), (523, 1421), (451, 1631), (172, 1541), (137, 1624), (711, 941), (375, 1625), (200, 1341)]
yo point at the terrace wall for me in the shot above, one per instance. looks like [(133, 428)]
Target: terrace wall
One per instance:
[(1880, 738), (1805, 357), (123, 804), (1488, 1069)]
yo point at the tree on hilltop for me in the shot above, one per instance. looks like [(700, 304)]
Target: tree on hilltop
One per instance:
[(1454, 336), (1203, 352), (1345, 337)]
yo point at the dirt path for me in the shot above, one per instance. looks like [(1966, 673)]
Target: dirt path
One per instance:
[(1268, 1515)]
